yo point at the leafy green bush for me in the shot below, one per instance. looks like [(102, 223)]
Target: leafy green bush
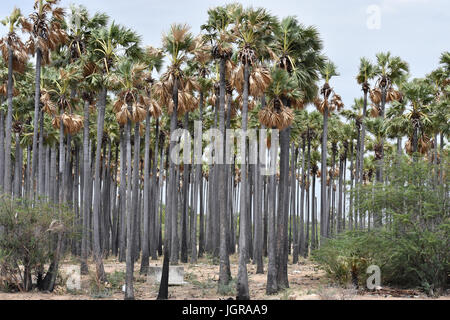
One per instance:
[(31, 236), (229, 289), (97, 288), (412, 246), (346, 258), (116, 280)]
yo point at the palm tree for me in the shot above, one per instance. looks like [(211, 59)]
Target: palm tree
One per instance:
[(80, 30), (296, 50), (81, 50), (440, 78), (46, 34), (420, 94), (355, 115), (55, 96), (153, 60), (365, 74), (219, 33), (388, 69), (14, 54), (200, 66), (377, 128), (107, 42), (253, 29), (328, 103), (128, 78), (397, 126), (177, 44)]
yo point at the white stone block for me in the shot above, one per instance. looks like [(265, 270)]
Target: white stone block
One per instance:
[(176, 275)]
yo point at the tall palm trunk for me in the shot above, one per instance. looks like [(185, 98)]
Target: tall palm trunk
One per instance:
[(171, 208), (224, 272), (18, 168), (133, 214), (258, 248), (340, 200), (174, 182), (294, 223), (62, 159), (155, 194), (123, 195), (129, 291), (201, 238), (363, 135), (41, 160), (308, 188), (323, 203), (97, 184), (37, 113), (146, 238), (313, 212), (379, 167), (2, 148), (272, 287), (185, 207), (301, 236), (283, 211), (242, 278), (8, 173)]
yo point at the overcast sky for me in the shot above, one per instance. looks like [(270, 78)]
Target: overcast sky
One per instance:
[(416, 30)]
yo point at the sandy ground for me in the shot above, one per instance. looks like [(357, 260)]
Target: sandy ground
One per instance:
[(307, 282)]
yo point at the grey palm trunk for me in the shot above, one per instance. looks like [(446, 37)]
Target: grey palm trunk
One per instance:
[(37, 114), (324, 198), (242, 279), (86, 182), (97, 185), (129, 291), (171, 206), (224, 272), (282, 211), (146, 237), (2, 148), (8, 127)]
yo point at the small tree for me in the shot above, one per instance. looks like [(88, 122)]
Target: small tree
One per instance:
[(27, 242)]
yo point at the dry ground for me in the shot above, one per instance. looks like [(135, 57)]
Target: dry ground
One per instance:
[(307, 282)]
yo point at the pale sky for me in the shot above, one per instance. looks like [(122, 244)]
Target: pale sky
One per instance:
[(416, 30)]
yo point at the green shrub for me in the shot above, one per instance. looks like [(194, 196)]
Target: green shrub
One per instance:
[(412, 247), (97, 288), (229, 289), (116, 280), (31, 236), (346, 258)]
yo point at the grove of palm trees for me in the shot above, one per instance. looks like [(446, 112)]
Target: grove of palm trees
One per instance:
[(90, 122)]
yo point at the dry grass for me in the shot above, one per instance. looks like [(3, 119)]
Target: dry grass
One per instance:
[(307, 282)]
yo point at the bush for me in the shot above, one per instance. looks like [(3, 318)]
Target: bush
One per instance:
[(116, 280), (346, 258), (97, 288), (31, 236), (229, 289), (412, 246)]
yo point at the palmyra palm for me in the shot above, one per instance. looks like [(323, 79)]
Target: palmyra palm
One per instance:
[(328, 102), (389, 69), (15, 55), (178, 43), (107, 42), (128, 79), (366, 73), (46, 35)]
